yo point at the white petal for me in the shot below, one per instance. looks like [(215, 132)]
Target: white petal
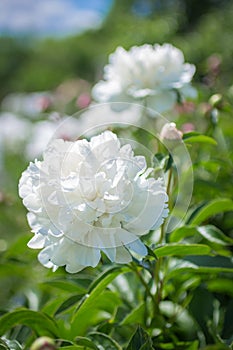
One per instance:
[(122, 256), (162, 101), (110, 252), (32, 202), (44, 257), (74, 268), (37, 241), (188, 91), (82, 255), (138, 247)]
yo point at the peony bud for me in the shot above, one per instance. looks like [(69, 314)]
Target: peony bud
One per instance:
[(43, 343), (170, 136), (170, 132), (216, 101), (83, 101)]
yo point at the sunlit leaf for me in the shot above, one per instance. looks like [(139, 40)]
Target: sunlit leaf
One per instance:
[(181, 233), (212, 208), (88, 304), (10, 345), (195, 137), (135, 316), (66, 304), (213, 234), (176, 249), (105, 276), (221, 285), (209, 232), (52, 305), (106, 338), (199, 270), (3, 345)]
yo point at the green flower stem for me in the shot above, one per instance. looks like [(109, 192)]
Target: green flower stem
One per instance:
[(162, 234), (158, 280), (145, 284)]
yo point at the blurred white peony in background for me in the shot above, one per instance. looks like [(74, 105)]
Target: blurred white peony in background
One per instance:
[(13, 130), (85, 198), (151, 75)]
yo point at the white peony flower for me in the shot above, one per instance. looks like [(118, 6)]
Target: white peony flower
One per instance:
[(85, 198), (43, 131), (14, 130), (146, 74), (29, 104)]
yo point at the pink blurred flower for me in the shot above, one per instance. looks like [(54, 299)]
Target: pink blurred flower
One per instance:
[(186, 107), (187, 127), (83, 100)]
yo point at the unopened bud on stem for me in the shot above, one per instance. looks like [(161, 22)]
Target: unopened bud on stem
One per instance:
[(43, 343), (170, 132), (216, 101)]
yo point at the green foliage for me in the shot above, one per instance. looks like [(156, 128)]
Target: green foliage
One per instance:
[(181, 295), (140, 341), (39, 322), (182, 250), (42, 65)]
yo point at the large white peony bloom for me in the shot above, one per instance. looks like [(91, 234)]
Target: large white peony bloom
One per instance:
[(87, 197), (147, 74)]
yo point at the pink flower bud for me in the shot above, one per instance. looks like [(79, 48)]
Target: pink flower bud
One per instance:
[(83, 101), (43, 343), (170, 132)]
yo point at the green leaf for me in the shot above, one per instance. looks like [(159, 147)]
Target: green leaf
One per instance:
[(89, 302), (182, 250), (14, 345), (221, 285), (105, 338), (135, 316), (65, 285), (212, 208), (193, 137), (214, 235), (209, 232), (72, 347), (105, 276), (3, 345), (194, 345), (182, 232), (52, 305), (180, 345), (86, 342), (140, 340), (216, 347), (194, 269), (68, 303), (166, 346), (39, 322)]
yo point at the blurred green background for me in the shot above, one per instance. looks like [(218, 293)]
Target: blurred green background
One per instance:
[(199, 29)]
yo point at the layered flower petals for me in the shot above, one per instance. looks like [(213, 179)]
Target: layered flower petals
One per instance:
[(85, 198), (146, 74)]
